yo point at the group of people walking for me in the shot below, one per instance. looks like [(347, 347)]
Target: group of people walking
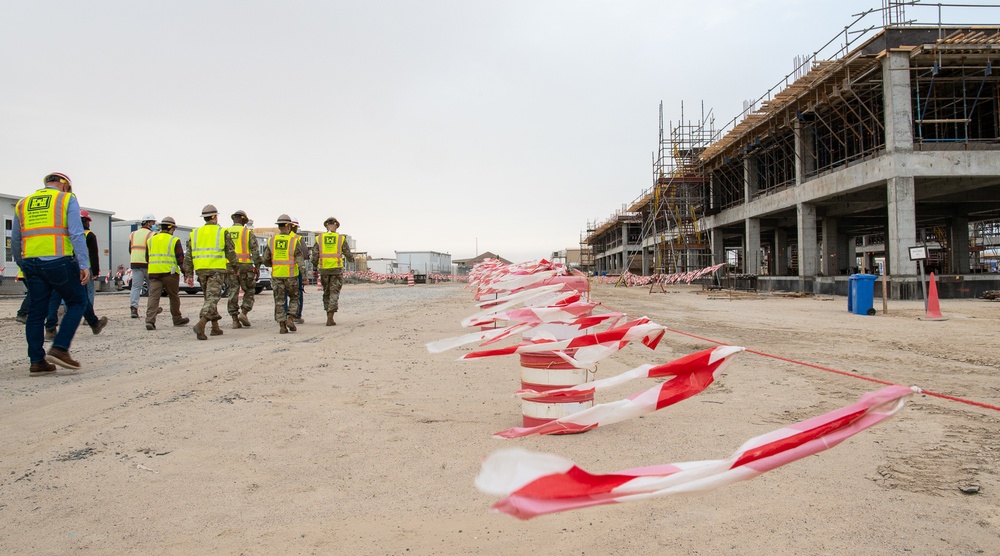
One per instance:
[(50, 240)]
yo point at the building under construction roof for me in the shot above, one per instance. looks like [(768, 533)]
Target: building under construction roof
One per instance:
[(891, 144)]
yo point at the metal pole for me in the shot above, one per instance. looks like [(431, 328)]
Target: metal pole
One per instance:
[(923, 284)]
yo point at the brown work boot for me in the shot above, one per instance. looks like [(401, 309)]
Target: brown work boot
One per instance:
[(216, 331), (135, 312), (329, 319), (182, 321), (199, 329), (101, 323), (290, 323), (50, 333), (244, 319), (61, 357), (282, 328), (236, 322), (41, 368)]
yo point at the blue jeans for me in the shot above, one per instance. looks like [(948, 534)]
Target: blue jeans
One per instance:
[(60, 275), (52, 319), (139, 276)]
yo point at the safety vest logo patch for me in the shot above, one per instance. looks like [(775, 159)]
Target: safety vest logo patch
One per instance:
[(39, 203)]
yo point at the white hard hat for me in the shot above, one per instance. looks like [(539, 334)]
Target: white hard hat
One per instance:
[(148, 218)]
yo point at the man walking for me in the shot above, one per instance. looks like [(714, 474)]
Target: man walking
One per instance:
[(245, 272), (166, 257), (296, 309), (328, 256), (137, 259), (285, 255), (49, 247), (209, 250)]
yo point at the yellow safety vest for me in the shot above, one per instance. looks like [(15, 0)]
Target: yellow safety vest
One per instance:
[(44, 232), (208, 248), (137, 245), (162, 254), (329, 251), (283, 256), (241, 240)]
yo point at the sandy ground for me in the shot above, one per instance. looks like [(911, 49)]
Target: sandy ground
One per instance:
[(355, 440)]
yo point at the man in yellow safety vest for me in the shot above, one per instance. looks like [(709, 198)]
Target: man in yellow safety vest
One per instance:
[(328, 255), (243, 275), (286, 255), (209, 251), (137, 260), (166, 257), (48, 245)]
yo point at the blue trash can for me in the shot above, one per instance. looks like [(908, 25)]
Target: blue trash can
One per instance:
[(861, 294)]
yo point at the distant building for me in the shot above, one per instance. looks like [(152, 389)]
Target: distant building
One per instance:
[(383, 265), (463, 266)]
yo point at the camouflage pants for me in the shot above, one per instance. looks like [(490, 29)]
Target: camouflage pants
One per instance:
[(332, 283), (211, 284), (280, 287), (244, 279)]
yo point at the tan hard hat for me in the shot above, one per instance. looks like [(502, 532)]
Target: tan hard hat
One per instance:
[(331, 219), (284, 219), (240, 213), (209, 210), (168, 221)]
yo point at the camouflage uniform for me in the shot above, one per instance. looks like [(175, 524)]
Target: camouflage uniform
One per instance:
[(332, 279), (290, 285), (243, 276), (211, 280)]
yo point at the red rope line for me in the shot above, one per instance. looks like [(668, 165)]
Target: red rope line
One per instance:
[(845, 373)]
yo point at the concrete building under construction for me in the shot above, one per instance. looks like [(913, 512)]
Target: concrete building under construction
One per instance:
[(891, 143)]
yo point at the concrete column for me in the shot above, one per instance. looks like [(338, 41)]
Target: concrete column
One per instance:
[(844, 260), (806, 214), (750, 184), (718, 247), (902, 229), (805, 159), (958, 242), (898, 107), (780, 252), (751, 244), (645, 261), (829, 263)]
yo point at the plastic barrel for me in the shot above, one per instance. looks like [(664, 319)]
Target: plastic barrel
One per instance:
[(543, 371)]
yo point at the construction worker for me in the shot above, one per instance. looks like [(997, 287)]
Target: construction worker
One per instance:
[(137, 260), (243, 275), (48, 245), (166, 258), (209, 251), (286, 255), (93, 252), (296, 310), (328, 256)]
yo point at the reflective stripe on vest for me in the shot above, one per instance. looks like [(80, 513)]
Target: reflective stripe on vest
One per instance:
[(283, 256), (162, 254), (42, 216), (329, 251), (208, 248), (241, 241), (137, 245)]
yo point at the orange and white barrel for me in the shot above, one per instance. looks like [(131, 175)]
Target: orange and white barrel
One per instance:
[(544, 371)]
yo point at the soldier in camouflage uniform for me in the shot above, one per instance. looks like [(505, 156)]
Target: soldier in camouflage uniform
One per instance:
[(285, 254), (328, 256), (243, 275), (209, 250)]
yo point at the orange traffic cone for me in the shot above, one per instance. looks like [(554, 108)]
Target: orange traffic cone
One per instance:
[(933, 308)]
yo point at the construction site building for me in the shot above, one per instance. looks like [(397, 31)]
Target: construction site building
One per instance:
[(890, 144)]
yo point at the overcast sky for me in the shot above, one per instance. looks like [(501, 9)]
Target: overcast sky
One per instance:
[(431, 125)]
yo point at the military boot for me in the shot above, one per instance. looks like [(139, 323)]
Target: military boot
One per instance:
[(282, 328), (199, 329), (290, 323), (244, 319), (329, 319), (216, 331), (236, 322)]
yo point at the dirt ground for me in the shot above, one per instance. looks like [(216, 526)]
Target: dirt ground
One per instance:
[(355, 440)]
